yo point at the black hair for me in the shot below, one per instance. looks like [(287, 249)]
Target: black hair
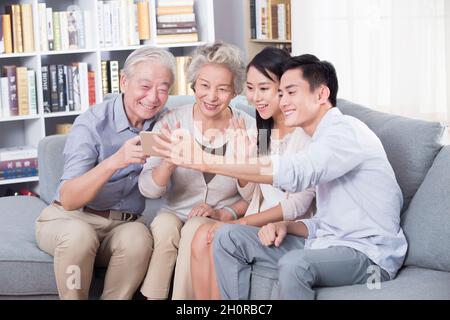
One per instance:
[(316, 73), (271, 60)]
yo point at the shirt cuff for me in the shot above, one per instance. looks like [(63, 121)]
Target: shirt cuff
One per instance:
[(149, 188), (275, 159), (246, 191), (311, 225)]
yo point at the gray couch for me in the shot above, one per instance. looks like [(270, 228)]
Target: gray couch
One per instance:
[(422, 168)]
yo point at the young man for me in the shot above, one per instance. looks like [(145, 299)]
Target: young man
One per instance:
[(93, 218), (356, 230)]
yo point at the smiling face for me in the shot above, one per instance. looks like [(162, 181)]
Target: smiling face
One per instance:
[(301, 106), (213, 90), (145, 91), (262, 92)]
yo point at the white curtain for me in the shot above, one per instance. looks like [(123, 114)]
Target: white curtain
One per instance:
[(391, 55)]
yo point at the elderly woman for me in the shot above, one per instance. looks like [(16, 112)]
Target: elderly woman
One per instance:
[(192, 198)]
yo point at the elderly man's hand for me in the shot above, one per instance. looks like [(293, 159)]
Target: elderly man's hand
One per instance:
[(130, 152)]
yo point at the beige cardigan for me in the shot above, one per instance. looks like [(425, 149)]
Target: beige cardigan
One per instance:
[(294, 205), (187, 187)]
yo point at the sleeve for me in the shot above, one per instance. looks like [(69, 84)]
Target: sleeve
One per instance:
[(147, 186), (333, 154), (246, 192), (312, 225), (297, 204), (81, 152)]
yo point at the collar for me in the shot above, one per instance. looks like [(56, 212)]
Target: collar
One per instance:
[(120, 117), (327, 119)]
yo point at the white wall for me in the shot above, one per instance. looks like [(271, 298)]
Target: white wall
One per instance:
[(229, 22)]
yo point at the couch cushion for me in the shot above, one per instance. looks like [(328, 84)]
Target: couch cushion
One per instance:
[(411, 145), (51, 165), (24, 268), (426, 223), (410, 283)]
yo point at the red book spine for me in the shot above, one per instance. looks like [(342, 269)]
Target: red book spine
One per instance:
[(91, 84)]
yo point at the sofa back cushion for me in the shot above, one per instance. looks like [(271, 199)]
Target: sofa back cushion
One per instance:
[(411, 145), (50, 149), (51, 164), (426, 223)]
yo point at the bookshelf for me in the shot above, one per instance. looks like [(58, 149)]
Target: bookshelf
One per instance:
[(30, 129), (255, 41)]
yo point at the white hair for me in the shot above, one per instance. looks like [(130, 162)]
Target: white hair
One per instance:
[(219, 53), (150, 54)]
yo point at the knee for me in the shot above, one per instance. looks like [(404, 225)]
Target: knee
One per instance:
[(134, 241), (199, 247), (227, 236), (166, 227), (293, 265)]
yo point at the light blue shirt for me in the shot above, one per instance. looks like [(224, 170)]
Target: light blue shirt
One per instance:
[(96, 135), (358, 198)]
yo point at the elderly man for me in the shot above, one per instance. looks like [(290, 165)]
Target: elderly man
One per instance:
[(95, 216)]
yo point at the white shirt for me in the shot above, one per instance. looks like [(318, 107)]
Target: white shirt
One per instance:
[(358, 198)]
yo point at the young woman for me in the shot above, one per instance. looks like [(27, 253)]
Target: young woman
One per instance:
[(268, 204), (192, 198)]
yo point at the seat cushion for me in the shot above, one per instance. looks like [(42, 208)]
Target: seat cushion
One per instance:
[(411, 145), (411, 283), (426, 223), (24, 268)]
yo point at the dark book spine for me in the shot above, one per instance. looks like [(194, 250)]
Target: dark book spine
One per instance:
[(62, 98), (252, 19), (171, 25), (69, 81), (54, 88), (46, 89), (19, 163), (11, 74)]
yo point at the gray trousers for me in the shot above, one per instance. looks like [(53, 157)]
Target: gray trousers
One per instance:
[(237, 247)]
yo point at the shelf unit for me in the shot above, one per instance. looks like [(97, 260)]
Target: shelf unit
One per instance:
[(253, 46), (29, 130)]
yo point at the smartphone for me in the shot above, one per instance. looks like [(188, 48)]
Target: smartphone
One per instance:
[(147, 142)]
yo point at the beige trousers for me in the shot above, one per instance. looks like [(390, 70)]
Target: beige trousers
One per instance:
[(172, 248), (79, 240)]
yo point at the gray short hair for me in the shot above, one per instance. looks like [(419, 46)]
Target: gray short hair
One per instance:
[(150, 54), (220, 53)]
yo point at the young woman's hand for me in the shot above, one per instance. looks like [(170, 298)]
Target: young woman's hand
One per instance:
[(243, 146)]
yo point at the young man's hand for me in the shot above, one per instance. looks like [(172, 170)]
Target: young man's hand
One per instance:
[(130, 152), (273, 233)]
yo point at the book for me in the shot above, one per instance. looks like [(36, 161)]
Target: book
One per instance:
[(162, 25), (20, 152), (100, 22), (2, 44), (54, 98), (19, 163), (18, 173), (22, 90), (46, 95), (64, 30), (105, 81), (177, 38), (73, 28), (27, 27), (113, 76), (61, 87), (42, 10), (69, 87), (175, 3), (176, 30), (4, 92), (76, 88), (16, 23), (50, 31), (7, 33), (91, 84), (173, 18), (174, 10), (56, 31), (32, 103), (143, 20), (10, 73)]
